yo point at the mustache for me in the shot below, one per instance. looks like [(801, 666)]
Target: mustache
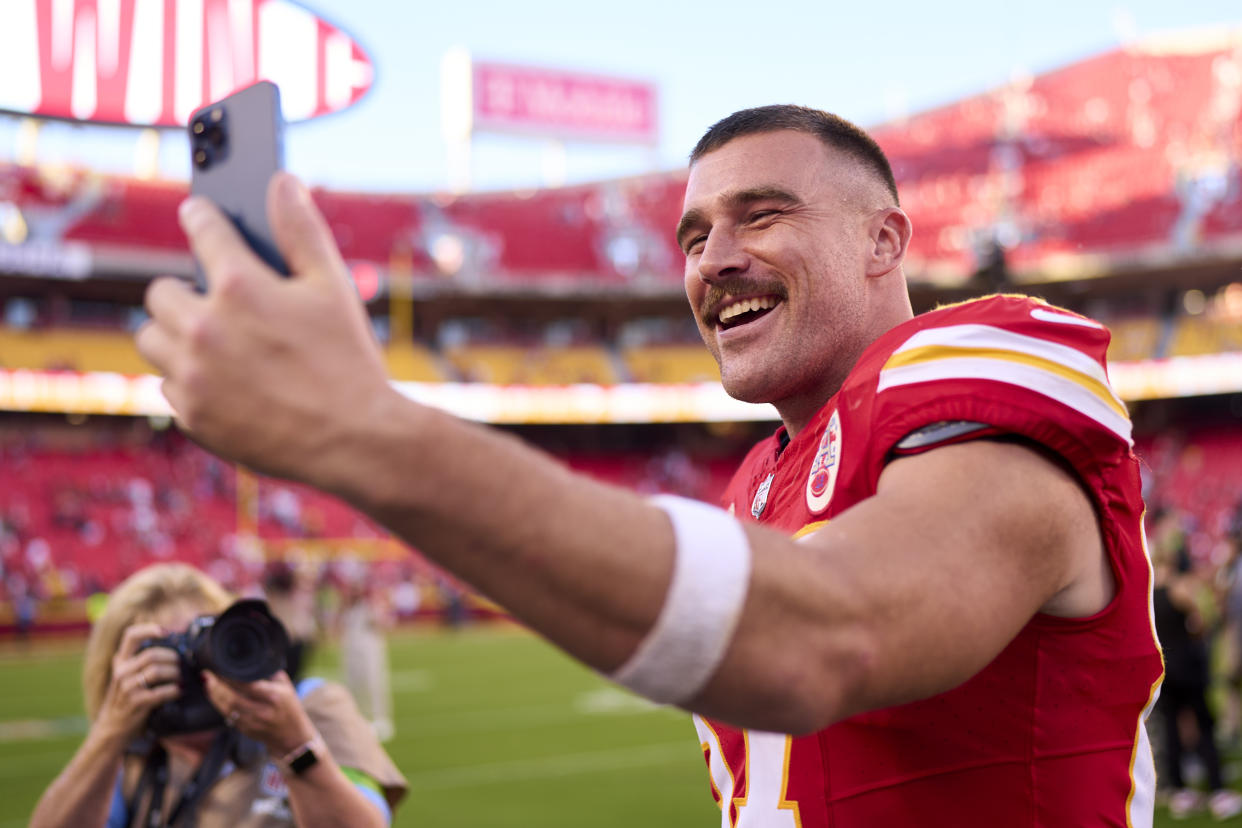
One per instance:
[(738, 286)]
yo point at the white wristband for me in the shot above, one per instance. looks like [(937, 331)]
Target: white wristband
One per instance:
[(711, 576)]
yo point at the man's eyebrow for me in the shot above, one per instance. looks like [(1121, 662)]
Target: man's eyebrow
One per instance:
[(689, 220), (735, 198)]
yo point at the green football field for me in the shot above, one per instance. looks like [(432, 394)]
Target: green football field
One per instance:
[(494, 728)]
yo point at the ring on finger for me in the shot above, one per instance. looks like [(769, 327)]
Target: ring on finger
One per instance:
[(233, 716), (142, 677)]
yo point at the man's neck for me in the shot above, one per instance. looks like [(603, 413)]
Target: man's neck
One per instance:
[(797, 411)]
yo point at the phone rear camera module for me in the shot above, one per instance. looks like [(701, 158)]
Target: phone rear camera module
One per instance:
[(209, 138)]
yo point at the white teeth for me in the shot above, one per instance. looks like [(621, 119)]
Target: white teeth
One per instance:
[(744, 305)]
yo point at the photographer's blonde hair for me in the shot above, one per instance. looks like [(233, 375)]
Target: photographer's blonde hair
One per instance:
[(138, 598)]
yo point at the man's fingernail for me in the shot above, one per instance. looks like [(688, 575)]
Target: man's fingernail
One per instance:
[(191, 212)]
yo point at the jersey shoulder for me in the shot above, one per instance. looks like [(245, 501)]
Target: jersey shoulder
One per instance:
[(1012, 363), (958, 325), (956, 328)]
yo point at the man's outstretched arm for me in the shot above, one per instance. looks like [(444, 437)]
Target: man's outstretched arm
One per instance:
[(903, 596)]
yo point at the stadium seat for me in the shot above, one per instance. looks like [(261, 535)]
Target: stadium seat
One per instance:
[(538, 365), (671, 364), (69, 349), (1134, 338), (412, 363), (1196, 335)]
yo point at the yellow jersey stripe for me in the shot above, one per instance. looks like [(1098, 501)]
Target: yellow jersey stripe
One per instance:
[(809, 528), (1064, 392)]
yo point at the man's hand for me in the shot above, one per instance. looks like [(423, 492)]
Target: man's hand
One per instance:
[(268, 371)]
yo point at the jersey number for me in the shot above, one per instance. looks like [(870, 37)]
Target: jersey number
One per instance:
[(763, 803)]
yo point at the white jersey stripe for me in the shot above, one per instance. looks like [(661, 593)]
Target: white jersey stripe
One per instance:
[(1143, 773), (992, 337), (1064, 318), (1058, 388), (718, 770)]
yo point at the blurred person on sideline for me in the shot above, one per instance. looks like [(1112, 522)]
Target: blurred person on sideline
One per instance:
[(25, 610), (1228, 590), (366, 617), (1185, 640), (291, 597), (285, 755), (926, 601)]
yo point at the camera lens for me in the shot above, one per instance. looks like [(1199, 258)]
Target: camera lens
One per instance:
[(246, 643), (201, 159), (242, 645)]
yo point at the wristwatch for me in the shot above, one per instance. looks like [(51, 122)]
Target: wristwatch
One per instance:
[(303, 757)]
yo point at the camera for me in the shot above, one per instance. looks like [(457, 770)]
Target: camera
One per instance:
[(244, 643), (209, 137)]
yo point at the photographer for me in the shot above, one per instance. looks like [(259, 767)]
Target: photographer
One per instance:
[(280, 756)]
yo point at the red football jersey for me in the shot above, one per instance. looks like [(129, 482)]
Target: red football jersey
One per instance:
[(1052, 733)]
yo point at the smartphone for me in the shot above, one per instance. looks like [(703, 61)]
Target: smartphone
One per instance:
[(236, 145)]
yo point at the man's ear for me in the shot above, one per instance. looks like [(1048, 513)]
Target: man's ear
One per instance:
[(889, 231)]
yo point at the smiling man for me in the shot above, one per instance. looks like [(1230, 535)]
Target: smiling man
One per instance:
[(935, 579), (775, 233)]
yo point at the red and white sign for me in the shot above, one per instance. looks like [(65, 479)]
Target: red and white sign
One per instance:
[(153, 62), (562, 104)]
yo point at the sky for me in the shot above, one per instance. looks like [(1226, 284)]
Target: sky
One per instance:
[(869, 62)]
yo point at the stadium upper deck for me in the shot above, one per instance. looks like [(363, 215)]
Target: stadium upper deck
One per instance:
[(1128, 160), (1111, 186)]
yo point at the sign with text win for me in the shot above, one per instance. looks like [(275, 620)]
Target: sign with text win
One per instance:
[(153, 62)]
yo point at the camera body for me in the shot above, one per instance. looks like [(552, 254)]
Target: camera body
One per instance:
[(244, 643)]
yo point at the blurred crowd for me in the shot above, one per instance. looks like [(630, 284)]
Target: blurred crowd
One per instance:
[(1196, 725), (83, 504)]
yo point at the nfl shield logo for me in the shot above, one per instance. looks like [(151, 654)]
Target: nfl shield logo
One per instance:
[(823, 476), (761, 497), (271, 783)]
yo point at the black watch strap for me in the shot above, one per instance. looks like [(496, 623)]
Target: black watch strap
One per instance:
[(303, 757)]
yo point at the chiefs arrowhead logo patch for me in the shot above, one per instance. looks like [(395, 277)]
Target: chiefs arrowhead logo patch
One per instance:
[(823, 476)]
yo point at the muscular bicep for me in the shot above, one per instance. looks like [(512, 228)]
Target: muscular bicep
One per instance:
[(914, 590), (975, 538)]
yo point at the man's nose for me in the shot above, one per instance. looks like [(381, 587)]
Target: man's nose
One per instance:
[(723, 256)]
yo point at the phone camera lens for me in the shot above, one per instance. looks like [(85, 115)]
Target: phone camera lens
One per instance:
[(201, 159)]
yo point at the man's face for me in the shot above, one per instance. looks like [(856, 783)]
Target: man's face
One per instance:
[(775, 233)]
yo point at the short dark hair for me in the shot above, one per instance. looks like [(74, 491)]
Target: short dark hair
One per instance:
[(833, 130)]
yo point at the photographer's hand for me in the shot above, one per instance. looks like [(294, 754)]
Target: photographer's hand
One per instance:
[(267, 710), (141, 681), (82, 792)]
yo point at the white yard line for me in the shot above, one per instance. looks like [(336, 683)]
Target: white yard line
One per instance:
[(517, 770)]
